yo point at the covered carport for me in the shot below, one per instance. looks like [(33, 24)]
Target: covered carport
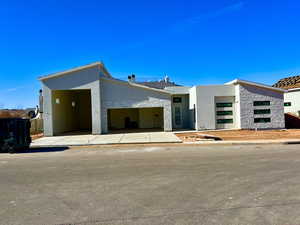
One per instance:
[(131, 107), (138, 119), (72, 101), (72, 111)]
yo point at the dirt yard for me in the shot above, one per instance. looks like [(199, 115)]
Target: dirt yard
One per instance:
[(13, 114), (241, 135), (37, 136)]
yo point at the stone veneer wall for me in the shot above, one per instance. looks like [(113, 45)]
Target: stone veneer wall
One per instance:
[(249, 94)]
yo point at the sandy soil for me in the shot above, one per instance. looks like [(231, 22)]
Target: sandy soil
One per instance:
[(241, 135), (36, 136)]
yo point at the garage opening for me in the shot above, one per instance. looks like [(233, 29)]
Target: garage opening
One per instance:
[(72, 112), (135, 120)]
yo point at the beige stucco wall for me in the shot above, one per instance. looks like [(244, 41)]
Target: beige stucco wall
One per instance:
[(144, 117), (64, 119), (117, 117), (151, 118), (84, 110), (67, 118)]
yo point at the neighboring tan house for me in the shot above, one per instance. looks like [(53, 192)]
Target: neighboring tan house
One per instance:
[(88, 98), (292, 96)]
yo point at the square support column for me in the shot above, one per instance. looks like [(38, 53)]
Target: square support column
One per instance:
[(168, 117), (47, 111), (96, 108)]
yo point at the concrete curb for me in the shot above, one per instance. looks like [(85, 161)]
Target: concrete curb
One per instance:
[(256, 142), (113, 143), (208, 142)]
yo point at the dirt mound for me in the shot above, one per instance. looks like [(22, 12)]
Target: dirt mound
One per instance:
[(13, 114)]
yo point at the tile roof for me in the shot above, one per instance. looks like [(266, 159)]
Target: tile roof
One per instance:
[(288, 83), (158, 84)]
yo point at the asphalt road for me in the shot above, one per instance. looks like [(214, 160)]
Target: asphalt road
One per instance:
[(236, 185)]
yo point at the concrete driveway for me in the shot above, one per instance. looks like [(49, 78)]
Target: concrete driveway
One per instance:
[(136, 185), (124, 138)]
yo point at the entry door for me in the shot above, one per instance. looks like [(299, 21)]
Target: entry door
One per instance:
[(177, 116), (177, 112)]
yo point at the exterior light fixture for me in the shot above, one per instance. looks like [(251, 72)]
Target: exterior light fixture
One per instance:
[(73, 104), (57, 101)]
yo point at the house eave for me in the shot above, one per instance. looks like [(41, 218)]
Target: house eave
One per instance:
[(238, 81), (76, 69), (135, 85)]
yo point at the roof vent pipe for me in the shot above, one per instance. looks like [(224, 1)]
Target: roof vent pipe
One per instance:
[(129, 78)]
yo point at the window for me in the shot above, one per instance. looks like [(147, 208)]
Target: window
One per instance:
[(224, 104), (262, 111), (177, 100), (261, 103), (262, 120), (222, 121), (287, 104), (224, 113)]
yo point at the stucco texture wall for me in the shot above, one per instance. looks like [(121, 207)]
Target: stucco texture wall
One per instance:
[(87, 79), (151, 118), (294, 98), (193, 107), (205, 104), (249, 94), (68, 118), (143, 117), (117, 94), (117, 117)]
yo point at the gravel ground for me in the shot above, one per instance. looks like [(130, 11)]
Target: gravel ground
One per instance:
[(243, 135)]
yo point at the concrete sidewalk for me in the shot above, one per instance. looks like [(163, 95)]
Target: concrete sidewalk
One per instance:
[(127, 138)]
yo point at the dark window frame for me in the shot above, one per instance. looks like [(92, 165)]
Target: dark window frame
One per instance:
[(287, 104), (177, 99), (262, 111), (224, 105), (261, 103), (224, 121), (262, 120), (225, 113)]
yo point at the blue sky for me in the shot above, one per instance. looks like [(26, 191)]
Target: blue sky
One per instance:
[(194, 42)]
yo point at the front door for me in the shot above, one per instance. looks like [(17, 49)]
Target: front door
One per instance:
[(177, 112), (177, 117)]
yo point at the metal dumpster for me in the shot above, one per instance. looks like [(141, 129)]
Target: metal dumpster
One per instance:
[(14, 134)]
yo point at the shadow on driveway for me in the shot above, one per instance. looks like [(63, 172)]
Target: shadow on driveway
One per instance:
[(43, 149)]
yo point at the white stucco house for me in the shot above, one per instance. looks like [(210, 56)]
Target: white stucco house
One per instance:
[(292, 95), (89, 98)]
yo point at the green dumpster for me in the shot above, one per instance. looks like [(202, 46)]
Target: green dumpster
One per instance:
[(14, 134)]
